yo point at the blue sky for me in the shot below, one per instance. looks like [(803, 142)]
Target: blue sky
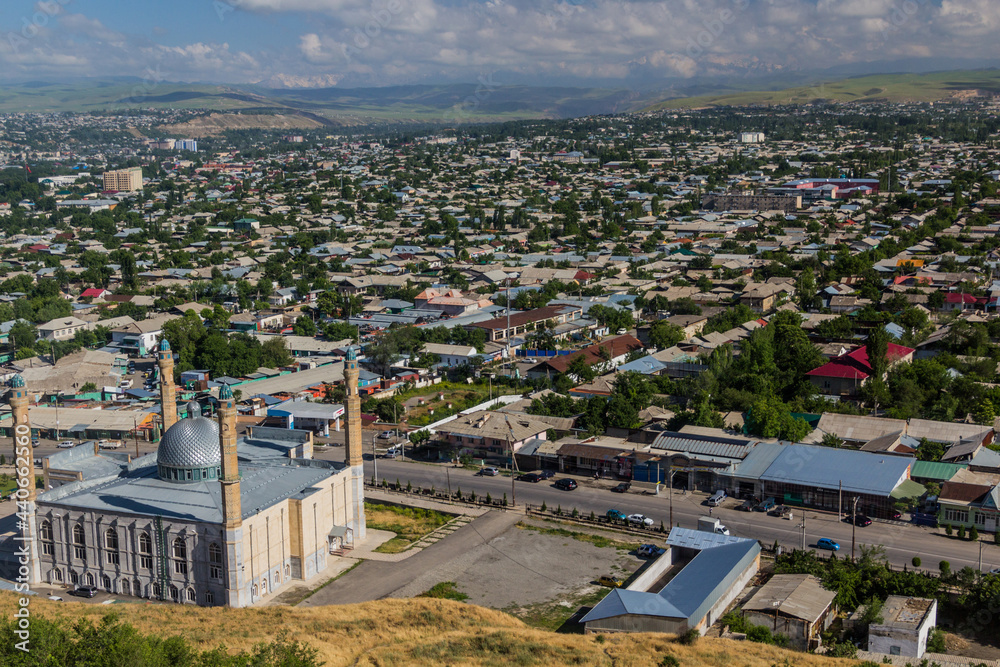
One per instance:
[(384, 42)]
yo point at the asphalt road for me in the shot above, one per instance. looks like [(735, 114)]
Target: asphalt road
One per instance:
[(902, 541)]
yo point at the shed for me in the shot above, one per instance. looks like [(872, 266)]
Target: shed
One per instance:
[(795, 605)]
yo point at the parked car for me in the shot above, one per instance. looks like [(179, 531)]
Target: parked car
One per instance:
[(613, 582), (529, 477), (566, 484), (65, 444), (827, 543), (747, 505), (547, 474), (640, 519), (35, 442), (780, 510), (649, 550), (84, 591), (895, 514), (385, 435), (622, 487), (717, 498), (615, 515), (862, 520), (488, 471), (995, 570), (766, 505)]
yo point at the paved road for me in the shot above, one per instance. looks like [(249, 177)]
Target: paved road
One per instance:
[(902, 541), (374, 580)]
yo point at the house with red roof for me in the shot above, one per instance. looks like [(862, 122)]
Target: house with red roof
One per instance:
[(962, 301), (95, 293), (846, 374)]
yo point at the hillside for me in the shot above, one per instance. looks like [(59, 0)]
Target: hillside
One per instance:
[(424, 631), (454, 103), (932, 87)]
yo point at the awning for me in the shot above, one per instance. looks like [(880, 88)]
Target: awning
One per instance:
[(908, 489), (338, 531)]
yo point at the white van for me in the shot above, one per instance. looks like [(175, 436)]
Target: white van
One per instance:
[(717, 498)]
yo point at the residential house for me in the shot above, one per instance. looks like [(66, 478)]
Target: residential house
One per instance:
[(846, 374)]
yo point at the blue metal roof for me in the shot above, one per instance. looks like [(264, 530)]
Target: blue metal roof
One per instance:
[(827, 467), (695, 589)]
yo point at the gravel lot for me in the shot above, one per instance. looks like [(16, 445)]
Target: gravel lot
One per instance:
[(524, 567)]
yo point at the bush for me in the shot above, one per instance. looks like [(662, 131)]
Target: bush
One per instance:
[(489, 498), (669, 661), (974, 534), (593, 517), (575, 513), (947, 529), (945, 568), (916, 561), (935, 643), (961, 532), (505, 500), (409, 487), (545, 508), (689, 638), (996, 538), (735, 622), (559, 510), (759, 634)]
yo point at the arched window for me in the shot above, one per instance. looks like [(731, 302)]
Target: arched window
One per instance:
[(89, 578), (74, 578), (126, 587), (106, 583), (45, 532), (215, 560), (79, 543), (58, 575), (209, 598), (175, 594), (254, 595), (145, 551), (156, 590), (137, 588), (111, 546), (180, 556), (191, 596)]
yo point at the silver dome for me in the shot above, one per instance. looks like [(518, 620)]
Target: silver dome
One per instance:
[(190, 443)]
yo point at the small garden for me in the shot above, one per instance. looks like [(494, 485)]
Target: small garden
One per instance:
[(409, 523)]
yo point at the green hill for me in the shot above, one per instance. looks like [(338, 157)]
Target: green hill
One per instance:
[(931, 87)]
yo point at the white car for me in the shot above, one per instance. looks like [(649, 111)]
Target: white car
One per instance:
[(640, 519), (65, 444)]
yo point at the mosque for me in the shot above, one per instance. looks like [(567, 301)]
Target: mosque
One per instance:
[(209, 519)]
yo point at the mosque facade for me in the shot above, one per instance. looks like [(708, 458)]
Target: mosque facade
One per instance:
[(211, 518)]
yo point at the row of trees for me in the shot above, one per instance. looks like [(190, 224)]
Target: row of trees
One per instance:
[(207, 347)]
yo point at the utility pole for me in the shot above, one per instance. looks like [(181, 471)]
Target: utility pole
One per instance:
[(510, 444), (840, 501), (854, 524), (447, 473), (670, 493), (374, 460), (803, 529), (980, 555)]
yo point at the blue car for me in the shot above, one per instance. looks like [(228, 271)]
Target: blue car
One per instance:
[(827, 543)]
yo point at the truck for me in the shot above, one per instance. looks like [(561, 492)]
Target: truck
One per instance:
[(709, 524)]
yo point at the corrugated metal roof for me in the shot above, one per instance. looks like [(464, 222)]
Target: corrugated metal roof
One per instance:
[(731, 448), (936, 470), (943, 431), (858, 428), (827, 468), (758, 460), (695, 589), (796, 595)]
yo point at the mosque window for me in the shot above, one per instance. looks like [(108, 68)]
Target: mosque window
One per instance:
[(175, 594), (180, 556), (145, 551), (215, 560), (79, 543), (111, 546), (191, 596), (209, 598)]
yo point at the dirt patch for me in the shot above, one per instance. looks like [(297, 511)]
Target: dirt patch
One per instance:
[(218, 123)]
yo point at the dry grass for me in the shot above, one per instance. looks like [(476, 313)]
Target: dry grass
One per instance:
[(420, 631), (409, 524)]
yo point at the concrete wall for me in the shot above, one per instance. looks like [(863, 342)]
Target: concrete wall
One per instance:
[(911, 643)]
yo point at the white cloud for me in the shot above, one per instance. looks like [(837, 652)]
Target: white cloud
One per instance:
[(371, 42)]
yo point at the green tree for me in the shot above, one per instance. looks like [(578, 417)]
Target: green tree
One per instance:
[(770, 418), (630, 393), (663, 334)]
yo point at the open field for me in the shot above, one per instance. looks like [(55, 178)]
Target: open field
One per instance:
[(882, 88), (409, 524), (419, 631)]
